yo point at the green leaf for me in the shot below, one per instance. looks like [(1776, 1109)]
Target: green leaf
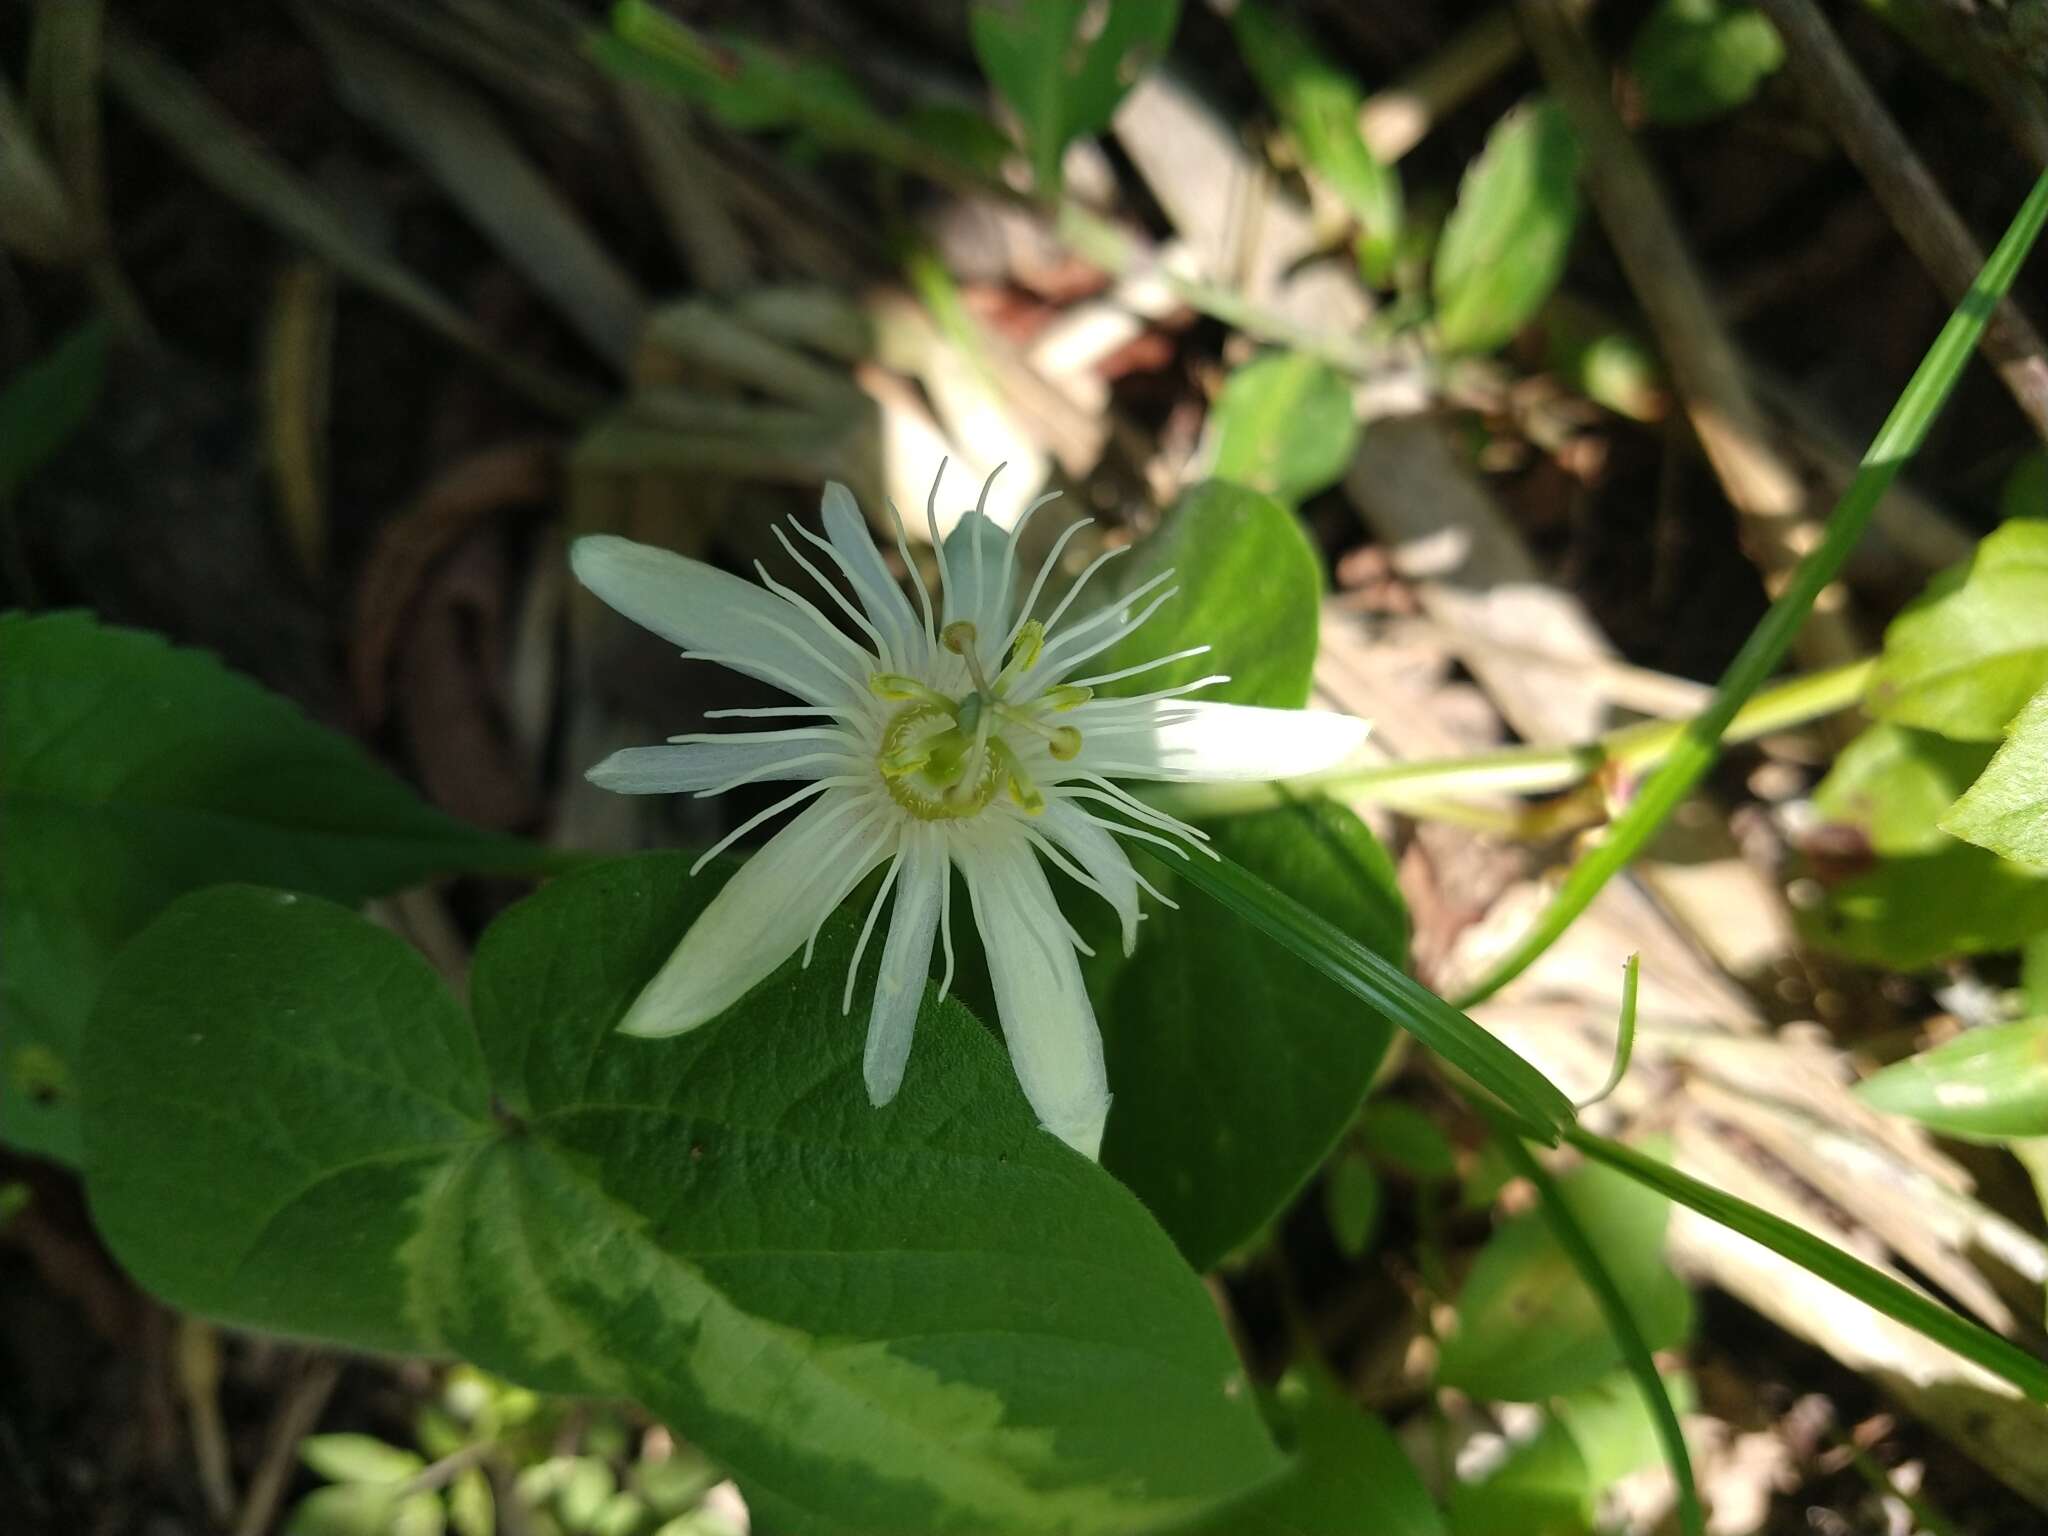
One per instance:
[(1991, 1081), (1529, 1327), (1402, 1137), (1350, 1476), (1320, 104), (1696, 59), (472, 1508), (2006, 810), (1893, 784), (928, 1317), (48, 401), (349, 1509), (1908, 913), (1965, 656), (1250, 589), (1613, 1428), (132, 771), (1236, 1065), (1284, 425), (1928, 896), (358, 1459), (1351, 1202), (1505, 243), (1533, 1099), (1542, 1489), (1063, 65)]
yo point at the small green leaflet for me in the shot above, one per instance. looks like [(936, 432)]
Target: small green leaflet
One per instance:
[(931, 1317), (1697, 59), (1988, 1082), (1063, 65), (1504, 245), (2006, 810), (1284, 425), (1965, 657)]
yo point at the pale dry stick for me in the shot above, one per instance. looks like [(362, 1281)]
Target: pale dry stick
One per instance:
[(294, 1421), (1767, 493), (1909, 195)]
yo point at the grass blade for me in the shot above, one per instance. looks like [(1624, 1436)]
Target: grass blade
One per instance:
[(1896, 442), (1867, 1284), (1625, 1033), (1635, 1352), (1536, 1103)]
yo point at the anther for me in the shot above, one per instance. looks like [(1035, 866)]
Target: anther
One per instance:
[(894, 685), (1066, 743), (1066, 696)]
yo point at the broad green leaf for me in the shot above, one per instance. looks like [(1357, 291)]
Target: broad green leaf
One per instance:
[(1320, 104), (1528, 1326), (1536, 1104), (358, 1459), (2006, 810), (1505, 243), (930, 1317), (1696, 59), (1063, 65), (1237, 1066), (1250, 589), (1613, 1428), (1908, 913), (1928, 896), (1402, 1137), (1542, 1489), (1893, 785), (132, 771), (1991, 1081), (48, 401), (1965, 656), (1351, 1202), (1284, 425), (1350, 1476)]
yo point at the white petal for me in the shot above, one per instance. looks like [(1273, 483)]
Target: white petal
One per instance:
[(886, 606), (906, 962), (1196, 742), (703, 765), (1047, 1020), (978, 582), (703, 609), (755, 923), (1100, 856)]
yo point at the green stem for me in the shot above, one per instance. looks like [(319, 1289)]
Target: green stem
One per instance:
[(1540, 770), (1635, 1351), (1699, 744), (1867, 1284)]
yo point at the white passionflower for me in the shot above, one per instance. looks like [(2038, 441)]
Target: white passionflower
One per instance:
[(954, 736)]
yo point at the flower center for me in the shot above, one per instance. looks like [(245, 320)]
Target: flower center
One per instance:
[(945, 758)]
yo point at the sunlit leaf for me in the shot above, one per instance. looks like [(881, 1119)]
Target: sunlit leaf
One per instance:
[(1505, 243), (2006, 810), (1284, 425), (1063, 65), (1991, 1081), (1965, 657)]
